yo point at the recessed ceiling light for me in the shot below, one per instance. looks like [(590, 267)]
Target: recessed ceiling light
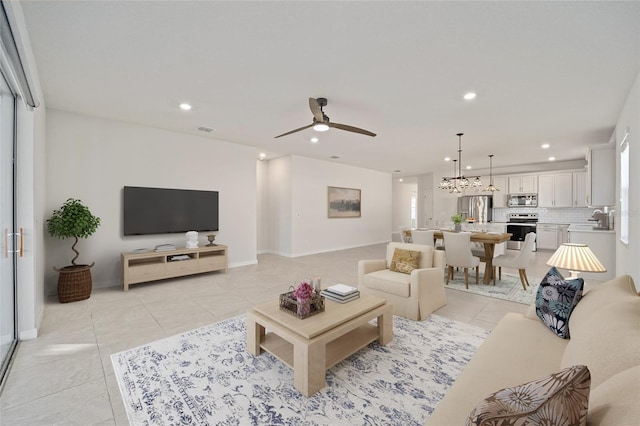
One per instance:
[(545, 146), (314, 139), (401, 180), (552, 158), (185, 106), (262, 155), (469, 96), (447, 158), (468, 167)]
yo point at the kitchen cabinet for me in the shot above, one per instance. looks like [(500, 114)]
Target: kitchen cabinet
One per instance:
[(500, 197), (526, 184), (547, 236), (555, 190), (601, 176), (580, 189)]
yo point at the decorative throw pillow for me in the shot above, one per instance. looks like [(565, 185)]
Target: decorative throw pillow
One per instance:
[(556, 299), (562, 398), (404, 261)]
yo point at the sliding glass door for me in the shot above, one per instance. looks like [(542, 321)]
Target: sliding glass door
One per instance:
[(8, 334)]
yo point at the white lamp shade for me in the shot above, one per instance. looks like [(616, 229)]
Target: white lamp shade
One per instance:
[(576, 257)]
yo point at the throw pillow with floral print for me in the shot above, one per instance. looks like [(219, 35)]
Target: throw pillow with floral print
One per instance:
[(556, 299)]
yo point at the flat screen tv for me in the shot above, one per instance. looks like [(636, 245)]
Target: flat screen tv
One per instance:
[(165, 211)]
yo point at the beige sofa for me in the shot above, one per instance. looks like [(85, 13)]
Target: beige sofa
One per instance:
[(605, 336), (414, 295)]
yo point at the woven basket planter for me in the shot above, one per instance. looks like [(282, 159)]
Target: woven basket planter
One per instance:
[(74, 283)]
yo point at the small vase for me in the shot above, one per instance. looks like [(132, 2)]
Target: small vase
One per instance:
[(457, 227), (304, 308)]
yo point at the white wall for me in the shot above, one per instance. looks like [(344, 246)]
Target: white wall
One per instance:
[(262, 211), (298, 206), (627, 255), (92, 159), (402, 192)]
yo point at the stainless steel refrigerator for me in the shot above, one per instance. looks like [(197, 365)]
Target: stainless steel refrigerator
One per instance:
[(479, 207)]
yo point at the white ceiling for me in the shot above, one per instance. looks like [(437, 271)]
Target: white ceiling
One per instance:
[(555, 72)]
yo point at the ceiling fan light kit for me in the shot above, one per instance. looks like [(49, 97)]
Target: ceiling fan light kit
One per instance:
[(321, 122), (458, 182)]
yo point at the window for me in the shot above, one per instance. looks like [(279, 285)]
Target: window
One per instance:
[(414, 210), (624, 189)]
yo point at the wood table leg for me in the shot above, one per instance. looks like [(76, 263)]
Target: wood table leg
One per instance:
[(255, 334), (489, 249), (309, 367), (385, 326)]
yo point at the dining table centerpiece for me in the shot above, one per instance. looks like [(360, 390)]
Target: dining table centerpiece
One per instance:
[(457, 222)]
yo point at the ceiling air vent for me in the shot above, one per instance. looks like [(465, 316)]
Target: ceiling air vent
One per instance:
[(204, 129), (334, 157)]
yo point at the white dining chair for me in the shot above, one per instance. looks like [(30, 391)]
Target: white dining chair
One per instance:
[(520, 261), (458, 254), (422, 237)]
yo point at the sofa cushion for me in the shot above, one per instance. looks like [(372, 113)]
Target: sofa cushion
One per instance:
[(615, 401), (404, 261), (561, 398), (510, 355), (389, 282), (426, 253), (607, 342), (556, 299), (600, 295)]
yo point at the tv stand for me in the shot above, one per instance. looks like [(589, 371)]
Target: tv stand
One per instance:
[(158, 265)]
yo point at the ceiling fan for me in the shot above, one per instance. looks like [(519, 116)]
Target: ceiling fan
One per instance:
[(321, 122)]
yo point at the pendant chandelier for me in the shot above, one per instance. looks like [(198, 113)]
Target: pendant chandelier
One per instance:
[(491, 188), (459, 182)]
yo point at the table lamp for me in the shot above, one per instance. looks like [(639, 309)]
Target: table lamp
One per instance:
[(576, 258)]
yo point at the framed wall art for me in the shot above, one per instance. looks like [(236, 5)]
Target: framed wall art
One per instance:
[(344, 202)]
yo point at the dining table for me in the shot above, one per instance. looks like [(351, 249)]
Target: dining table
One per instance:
[(489, 241)]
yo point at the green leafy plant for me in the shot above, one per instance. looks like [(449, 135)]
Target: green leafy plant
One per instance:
[(456, 219), (75, 220)]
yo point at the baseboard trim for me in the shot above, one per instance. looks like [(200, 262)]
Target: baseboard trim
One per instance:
[(28, 334)]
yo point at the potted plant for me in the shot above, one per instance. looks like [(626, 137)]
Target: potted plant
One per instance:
[(75, 220), (457, 221)]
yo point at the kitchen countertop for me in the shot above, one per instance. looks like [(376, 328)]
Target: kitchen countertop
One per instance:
[(588, 227)]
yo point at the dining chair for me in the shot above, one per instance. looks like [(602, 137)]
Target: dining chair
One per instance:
[(458, 254), (422, 237), (520, 261), (405, 236)]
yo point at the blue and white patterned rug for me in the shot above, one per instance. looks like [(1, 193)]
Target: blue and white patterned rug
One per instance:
[(508, 288), (206, 377)]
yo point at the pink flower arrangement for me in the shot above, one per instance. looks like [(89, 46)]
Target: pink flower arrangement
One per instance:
[(304, 292)]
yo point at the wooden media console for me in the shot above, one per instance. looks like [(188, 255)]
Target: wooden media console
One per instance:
[(159, 265)]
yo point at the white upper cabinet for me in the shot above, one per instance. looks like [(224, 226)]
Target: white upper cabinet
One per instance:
[(580, 189), (555, 190), (527, 184), (601, 176)]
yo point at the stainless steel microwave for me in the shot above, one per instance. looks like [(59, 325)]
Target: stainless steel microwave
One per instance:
[(522, 200)]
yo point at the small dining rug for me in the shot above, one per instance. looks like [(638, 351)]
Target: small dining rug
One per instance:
[(509, 288), (206, 377)]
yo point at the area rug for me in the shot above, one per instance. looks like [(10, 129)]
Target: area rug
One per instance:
[(206, 377), (509, 288)]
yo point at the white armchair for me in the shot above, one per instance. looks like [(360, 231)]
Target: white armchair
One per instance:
[(414, 295)]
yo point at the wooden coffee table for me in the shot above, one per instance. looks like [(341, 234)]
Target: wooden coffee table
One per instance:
[(312, 345)]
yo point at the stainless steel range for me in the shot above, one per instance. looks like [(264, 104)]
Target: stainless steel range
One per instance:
[(519, 225)]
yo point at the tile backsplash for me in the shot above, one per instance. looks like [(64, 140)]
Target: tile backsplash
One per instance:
[(546, 215)]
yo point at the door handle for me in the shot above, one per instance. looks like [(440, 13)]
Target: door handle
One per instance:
[(20, 240)]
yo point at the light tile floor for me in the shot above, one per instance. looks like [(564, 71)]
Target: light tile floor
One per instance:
[(65, 377)]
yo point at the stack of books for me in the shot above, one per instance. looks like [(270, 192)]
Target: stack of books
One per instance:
[(341, 293)]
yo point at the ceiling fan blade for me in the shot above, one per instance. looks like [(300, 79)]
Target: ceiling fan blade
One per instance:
[(351, 129), (315, 109), (293, 131)]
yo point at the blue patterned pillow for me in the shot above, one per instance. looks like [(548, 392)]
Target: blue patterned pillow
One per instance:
[(556, 299)]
